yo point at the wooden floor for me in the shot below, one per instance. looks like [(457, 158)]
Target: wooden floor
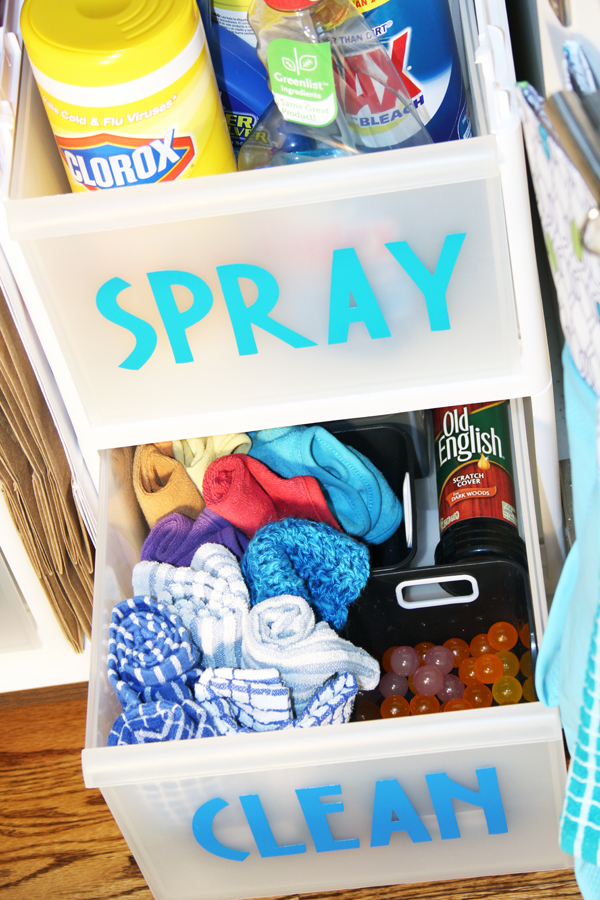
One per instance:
[(58, 840)]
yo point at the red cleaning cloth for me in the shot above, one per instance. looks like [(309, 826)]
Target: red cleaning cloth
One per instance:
[(248, 494)]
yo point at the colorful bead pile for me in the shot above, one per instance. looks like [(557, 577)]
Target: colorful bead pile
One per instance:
[(488, 671)]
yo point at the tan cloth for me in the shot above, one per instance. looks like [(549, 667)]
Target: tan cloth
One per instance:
[(162, 486), (36, 481), (196, 454)]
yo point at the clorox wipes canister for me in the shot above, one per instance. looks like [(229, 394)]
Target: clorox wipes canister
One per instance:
[(129, 90)]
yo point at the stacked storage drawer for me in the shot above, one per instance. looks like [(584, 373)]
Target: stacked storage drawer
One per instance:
[(223, 304)]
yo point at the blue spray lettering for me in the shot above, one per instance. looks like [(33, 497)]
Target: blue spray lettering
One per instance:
[(244, 317), (177, 321), (143, 332), (348, 278), (434, 286)]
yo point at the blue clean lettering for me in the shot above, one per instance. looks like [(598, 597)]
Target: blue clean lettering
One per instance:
[(433, 286), (143, 332), (391, 799), (442, 790), (316, 814), (244, 317), (348, 278), (176, 321), (73, 166), (392, 812), (202, 828), (261, 830)]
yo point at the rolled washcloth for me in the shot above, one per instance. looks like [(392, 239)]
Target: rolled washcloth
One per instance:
[(281, 633), (162, 485), (356, 490), (248, 494), (307, 559), (210, 597), (147, 646), (196, 454), (175, 538)]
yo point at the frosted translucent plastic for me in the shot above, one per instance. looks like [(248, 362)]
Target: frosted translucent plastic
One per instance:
[(154, 790), (290, 223)]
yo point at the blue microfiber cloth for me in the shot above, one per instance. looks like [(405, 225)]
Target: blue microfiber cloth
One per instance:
[(356, 491), (281, 633), (563, 656), (310, 560), (147, 646), (148, 723), (568, 665)]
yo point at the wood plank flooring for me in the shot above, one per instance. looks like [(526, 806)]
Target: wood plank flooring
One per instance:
[(58, 841)]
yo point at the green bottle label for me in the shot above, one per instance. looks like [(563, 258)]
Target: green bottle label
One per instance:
[(301, 76)]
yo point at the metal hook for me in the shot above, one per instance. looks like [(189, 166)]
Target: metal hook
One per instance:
[(592, 217)]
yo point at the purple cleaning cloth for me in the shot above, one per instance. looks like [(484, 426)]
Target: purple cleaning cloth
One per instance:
[(176, 538)]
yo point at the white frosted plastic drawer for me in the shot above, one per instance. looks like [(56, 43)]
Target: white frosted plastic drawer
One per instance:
[(477, 792), (360, 286)]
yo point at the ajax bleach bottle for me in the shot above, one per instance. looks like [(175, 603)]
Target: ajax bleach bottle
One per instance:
[(335, 89), (129, 90), (419, 38)]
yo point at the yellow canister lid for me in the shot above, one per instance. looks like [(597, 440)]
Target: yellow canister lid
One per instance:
[(105, 42)]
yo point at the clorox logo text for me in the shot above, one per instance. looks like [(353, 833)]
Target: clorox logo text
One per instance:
[(106, 161)]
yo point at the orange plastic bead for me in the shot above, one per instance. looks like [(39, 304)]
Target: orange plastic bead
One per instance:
[(507, 690), (421, 705), (385, 659), (394, 707), (465, 671), (479, 695), (509, 661), (480, 645), (526, 664), (460, 649), (488, 668), (455, 704), (411, 684), (529, 690), (525, 636), (422, 649), (503, 636)]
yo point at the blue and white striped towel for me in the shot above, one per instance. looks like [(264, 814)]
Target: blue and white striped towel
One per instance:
[(210, 597), (147, 723), (146, 646), (257, 699), (281, 633)]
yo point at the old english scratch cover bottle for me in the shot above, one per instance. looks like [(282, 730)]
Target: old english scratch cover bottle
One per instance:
[(476, 491)]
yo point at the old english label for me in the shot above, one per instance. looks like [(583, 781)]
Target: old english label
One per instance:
[(474, 463)]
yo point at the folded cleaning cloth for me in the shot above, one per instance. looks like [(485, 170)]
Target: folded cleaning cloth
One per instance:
[(176, 538), (307, 559), (163, 720), (146, 646), (281, 633), (356, 490), (162, 485), (257, 698), (210, 597), (330, 704), (196, 454), (248, 494)]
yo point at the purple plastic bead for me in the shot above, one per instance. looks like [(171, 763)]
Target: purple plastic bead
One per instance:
[(405, 660), (428, 680), (392, 683), (441, 657), (453, 687)]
